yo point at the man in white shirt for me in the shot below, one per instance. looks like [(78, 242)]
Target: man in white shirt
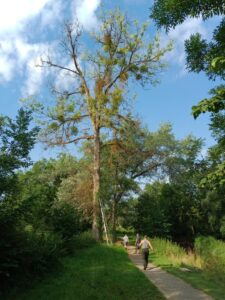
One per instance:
[(125, 241), (145, 245)]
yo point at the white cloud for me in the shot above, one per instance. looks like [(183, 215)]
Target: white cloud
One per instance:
[(13, 13), (184, 30), (6, 68), (7, 60), (18, 57), (34, 80), (181, 33), (28, 59), (85, 10), (18, 53), (53, 11), (64, 80)]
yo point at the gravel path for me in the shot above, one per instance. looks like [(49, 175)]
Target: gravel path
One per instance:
[(171, 287)]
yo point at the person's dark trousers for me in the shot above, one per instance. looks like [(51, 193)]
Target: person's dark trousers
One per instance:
[(145, 254)]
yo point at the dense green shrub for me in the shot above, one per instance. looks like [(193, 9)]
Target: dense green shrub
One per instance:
[(212, 253), (83, 240), (24, 252), (28, 250), (65, 220), (11, 240), (35, 232), (41, 252)]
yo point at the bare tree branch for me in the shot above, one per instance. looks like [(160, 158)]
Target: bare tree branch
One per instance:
[(63, 142), (49, 63), (143, 172), (72, 43)]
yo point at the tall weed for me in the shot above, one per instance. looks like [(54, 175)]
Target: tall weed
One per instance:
[(212, 253), (208, 255)]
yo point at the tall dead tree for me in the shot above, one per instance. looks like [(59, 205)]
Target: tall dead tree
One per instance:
[(119, 52)]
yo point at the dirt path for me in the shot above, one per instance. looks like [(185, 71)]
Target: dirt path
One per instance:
[(171, 287)]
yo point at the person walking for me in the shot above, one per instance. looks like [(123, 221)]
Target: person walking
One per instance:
[(125, 241), (145, 244), (137, 242)]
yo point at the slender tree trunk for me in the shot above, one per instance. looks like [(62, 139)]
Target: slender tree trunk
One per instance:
[(97, 224), (115, 202), (114, 219)]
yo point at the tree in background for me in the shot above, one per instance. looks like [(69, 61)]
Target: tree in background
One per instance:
[(44, 210), (213, 183), (216, 159), (37, 226), (151, 216), (77, 189), (133, 154), (184, 172), (39, 188), (120, 53), (213, 208), (172, 207), (208, 57), (16, 141)]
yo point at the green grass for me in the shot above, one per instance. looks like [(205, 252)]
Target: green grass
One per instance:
[(172, 262), (99, 272)]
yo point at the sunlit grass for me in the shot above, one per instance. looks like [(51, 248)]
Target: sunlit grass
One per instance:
[(99, 272)]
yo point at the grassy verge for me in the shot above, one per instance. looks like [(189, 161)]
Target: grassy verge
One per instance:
[(98, 272), (187, 267)]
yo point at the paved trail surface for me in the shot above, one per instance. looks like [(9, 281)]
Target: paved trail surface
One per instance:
[(172, 287)]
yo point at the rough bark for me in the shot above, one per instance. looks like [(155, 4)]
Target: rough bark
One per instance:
[(96, 224)]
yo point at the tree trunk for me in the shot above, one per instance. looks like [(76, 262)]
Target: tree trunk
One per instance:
[(97, 224), (114, 219)]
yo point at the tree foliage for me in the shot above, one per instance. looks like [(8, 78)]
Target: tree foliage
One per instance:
[(121, 53), (170, 13), (133, 154), (172, 207), (37, 228), (202, 56), (16, 141)]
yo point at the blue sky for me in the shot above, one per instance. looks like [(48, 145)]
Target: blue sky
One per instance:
[(31, 29)]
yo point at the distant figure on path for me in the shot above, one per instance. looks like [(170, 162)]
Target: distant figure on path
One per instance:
[(125, 241), (137, 242), (145, 245)]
